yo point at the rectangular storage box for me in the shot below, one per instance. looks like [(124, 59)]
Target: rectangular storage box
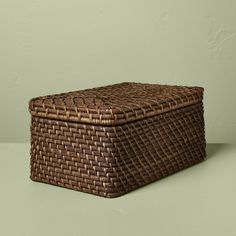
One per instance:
[(113, 139)]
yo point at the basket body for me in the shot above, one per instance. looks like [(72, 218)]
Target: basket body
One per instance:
[(111, 160)]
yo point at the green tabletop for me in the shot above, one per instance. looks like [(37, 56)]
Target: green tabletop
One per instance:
[(200, 200)]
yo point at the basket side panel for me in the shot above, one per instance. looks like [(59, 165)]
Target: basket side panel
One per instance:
[(156, 147), (70, 155)]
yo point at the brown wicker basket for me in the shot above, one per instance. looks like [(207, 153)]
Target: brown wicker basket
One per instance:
[(110, 140)]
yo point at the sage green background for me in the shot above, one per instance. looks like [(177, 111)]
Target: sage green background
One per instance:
[(54, 46)]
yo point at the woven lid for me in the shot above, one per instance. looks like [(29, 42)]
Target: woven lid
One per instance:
[(115, 104)]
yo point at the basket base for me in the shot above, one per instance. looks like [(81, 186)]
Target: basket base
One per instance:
[(110, 161)]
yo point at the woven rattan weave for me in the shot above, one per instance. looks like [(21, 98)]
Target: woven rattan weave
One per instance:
[(110, 140)]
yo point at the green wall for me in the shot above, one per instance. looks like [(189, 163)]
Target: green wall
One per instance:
[(55, 46)]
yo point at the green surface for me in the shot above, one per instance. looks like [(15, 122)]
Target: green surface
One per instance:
[(56, 46), (200, 200)]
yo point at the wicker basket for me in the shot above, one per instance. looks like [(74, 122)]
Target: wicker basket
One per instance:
[(110, 140)]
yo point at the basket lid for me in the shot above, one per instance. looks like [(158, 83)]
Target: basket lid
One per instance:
[(115, 104)]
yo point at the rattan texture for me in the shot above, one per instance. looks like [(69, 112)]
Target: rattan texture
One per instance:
[(112, 160), (115, 104)]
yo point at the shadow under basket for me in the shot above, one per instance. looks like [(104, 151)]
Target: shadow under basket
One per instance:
[(111, 140)]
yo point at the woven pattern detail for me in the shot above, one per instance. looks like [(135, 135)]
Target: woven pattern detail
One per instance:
[(110, 161), (115, 104)]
